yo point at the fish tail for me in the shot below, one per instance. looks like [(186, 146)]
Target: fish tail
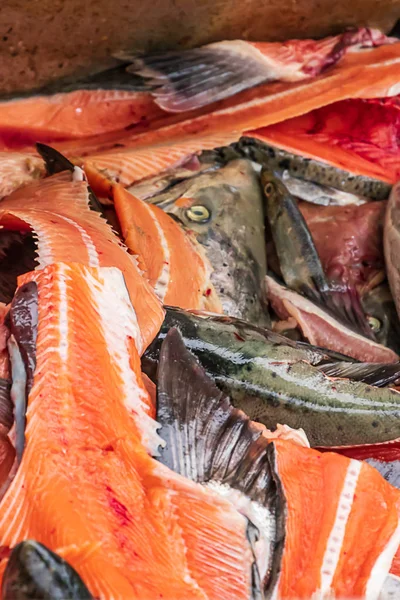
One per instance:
[(211, 442), (194, 78)]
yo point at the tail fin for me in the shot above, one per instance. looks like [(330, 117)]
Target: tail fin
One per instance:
[(209, 441), (194, 78)]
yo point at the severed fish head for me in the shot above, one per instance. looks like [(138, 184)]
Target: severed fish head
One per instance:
[(224, 210), (34, 571)]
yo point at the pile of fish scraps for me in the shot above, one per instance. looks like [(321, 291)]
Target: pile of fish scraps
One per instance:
[(199, 327)]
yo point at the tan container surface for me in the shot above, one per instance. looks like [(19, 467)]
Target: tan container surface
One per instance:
[(42, 40)]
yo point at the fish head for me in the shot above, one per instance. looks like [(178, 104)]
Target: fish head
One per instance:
[(223, 209), (197, 212), (274, 191), (382, 316)]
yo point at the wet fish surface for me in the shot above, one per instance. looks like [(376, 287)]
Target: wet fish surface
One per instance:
[(188, 398), (299, 261), (34, 572), (275, 383), (211, 442), (308, 169), (224, 209)]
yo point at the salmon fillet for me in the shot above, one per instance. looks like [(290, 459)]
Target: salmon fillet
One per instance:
[(346, 546), (129, 165), (76, 114), (368, 74), (57, 210), (87, 487)]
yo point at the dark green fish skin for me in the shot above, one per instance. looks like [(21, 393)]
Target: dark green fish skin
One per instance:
[(34, 572), (274, 158), (298, 258), (225, 210), (274, 383), (382, 316)]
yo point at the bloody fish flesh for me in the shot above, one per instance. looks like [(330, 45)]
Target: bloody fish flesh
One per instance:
[(187, 80)]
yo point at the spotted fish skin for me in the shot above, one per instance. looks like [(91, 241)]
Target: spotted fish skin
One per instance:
[(307, 169), (275, 383)]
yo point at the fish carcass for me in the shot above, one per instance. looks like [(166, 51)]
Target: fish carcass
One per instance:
[(57, 210), (275, 380), (131, 526)]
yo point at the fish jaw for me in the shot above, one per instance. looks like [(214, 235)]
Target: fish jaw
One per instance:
[(235, 252)]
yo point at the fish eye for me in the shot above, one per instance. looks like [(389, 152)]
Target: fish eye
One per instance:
[(269, 188), (374, 323), (198, 213)]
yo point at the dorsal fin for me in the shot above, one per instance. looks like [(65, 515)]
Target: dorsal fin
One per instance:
[(213, 443), (57, 163)]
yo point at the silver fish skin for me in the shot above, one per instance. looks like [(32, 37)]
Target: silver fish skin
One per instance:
[(224, 209), (316, 193), (309, 169)]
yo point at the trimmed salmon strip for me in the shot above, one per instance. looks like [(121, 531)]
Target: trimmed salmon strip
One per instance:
[(68, 230), (343, 524), (177, 270), (72, 115), (130, 165), (131, 527)]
